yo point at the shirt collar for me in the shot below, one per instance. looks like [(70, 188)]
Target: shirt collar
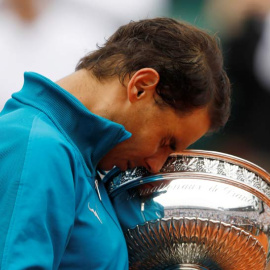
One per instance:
[(93, 135)]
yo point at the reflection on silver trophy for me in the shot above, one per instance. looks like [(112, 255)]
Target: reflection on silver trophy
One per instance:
[(204, 210)]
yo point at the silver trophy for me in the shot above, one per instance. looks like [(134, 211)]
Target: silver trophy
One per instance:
[(204, 210)]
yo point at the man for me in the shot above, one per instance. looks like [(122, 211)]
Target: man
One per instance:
[(155, 87)]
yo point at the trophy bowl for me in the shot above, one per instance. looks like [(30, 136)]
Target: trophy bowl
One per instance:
[(203, 210)]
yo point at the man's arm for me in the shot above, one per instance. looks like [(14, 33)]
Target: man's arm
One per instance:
[(43, 212)]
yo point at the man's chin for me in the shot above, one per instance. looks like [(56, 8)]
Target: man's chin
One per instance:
[(104, 167), (123, 166)]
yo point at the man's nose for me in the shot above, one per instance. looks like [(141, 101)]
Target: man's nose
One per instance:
[(155, 163)]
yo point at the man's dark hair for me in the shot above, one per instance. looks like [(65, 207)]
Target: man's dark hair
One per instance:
[(188, 60)]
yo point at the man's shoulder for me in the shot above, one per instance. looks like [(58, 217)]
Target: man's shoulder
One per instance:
[(29, 127), (48, 137)]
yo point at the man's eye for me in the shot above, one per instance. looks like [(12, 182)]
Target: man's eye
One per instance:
[(173, 147), (173, 144)]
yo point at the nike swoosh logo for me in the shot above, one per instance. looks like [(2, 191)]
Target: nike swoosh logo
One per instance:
[(95, 213)]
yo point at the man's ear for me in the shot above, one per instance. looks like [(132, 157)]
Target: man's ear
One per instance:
[(142, 84)]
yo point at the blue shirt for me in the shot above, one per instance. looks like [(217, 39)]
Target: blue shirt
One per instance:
[(51, 216)]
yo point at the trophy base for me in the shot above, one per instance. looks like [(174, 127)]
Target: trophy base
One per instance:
[(191, 243)]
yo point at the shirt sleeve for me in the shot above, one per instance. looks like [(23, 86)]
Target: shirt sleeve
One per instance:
[(44, 210)]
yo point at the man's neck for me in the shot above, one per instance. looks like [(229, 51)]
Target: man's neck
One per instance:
[(103, 98)]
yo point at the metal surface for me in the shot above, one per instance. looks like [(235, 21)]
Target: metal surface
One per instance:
[(204, 210)]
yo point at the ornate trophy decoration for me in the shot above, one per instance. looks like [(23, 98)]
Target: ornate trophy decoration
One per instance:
[(204, 210)]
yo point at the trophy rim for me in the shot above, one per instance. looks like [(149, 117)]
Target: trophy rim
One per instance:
[(228, 158), (129, 179)]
